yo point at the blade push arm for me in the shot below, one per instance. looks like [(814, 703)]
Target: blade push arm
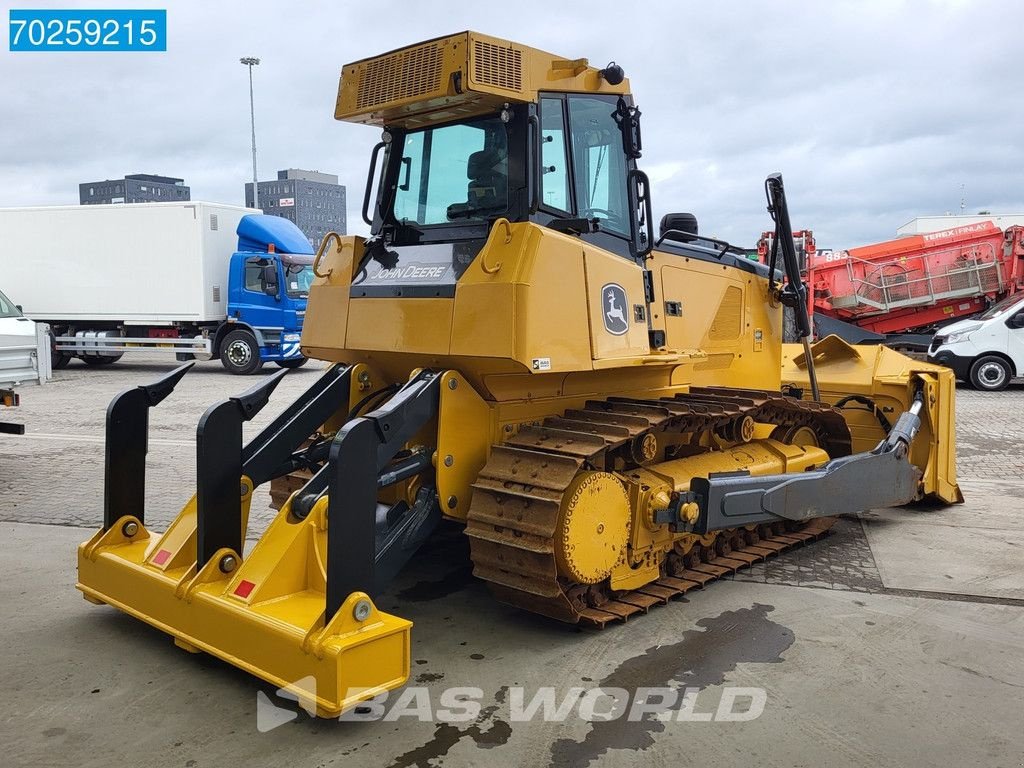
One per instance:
[(882, 477)]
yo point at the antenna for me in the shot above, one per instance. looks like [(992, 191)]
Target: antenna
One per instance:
[(963, 199)]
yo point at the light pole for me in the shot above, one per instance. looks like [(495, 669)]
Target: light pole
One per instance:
[(251, 62)]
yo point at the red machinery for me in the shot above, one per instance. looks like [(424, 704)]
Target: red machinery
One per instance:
[(911, 283)]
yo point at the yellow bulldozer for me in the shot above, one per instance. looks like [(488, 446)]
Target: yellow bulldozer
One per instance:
[(611, 412)]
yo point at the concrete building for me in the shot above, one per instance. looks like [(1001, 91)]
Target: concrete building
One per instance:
[(313, 201), (135, 188), (924, 224)]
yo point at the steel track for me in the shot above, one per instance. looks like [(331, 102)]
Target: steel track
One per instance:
[(513, 518)]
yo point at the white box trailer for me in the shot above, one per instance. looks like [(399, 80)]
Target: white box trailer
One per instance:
[(143, 264), (111, 279)]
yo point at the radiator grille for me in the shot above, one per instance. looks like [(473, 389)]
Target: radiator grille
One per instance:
[(497, 66), (727, 324), (402, 75)]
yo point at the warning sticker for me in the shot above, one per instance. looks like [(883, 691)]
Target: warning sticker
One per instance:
[(542, 363)]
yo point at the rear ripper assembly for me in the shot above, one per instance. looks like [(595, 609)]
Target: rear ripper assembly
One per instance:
[(299, 604)]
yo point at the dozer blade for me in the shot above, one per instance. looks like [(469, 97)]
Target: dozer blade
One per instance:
[(272, 612), (872, 385)]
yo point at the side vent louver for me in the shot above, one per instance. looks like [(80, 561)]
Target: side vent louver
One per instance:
[(497, 66), (216, 294), (213, 222), (728, 322), (402, 75)]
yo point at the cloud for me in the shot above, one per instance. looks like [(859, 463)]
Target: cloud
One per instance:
[(874, 111)]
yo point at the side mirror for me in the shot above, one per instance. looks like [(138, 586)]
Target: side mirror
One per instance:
[(270, 279), (1016, 321)]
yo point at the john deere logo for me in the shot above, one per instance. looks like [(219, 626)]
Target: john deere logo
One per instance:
[(613, 299)]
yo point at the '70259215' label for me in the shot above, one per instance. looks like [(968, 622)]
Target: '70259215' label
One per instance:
[(84, 30)]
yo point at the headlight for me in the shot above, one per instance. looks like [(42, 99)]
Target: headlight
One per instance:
[(292, 337), (953, 338)]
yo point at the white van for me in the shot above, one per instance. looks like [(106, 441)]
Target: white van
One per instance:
[(985, 351), (24, 356)]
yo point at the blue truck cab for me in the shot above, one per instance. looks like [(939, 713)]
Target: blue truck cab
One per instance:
[(268, 284)]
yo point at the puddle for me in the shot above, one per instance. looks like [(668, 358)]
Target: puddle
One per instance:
[(487, 732), (700, 659)]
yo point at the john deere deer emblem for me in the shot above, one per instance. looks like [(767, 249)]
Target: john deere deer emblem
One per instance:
[(613, 299)]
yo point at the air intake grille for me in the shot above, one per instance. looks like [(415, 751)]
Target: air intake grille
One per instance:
[(402, 75), (727, 324), (497, 66)]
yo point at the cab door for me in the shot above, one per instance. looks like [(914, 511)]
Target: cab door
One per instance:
[(1015, 337), (258, 298), (584, 178)]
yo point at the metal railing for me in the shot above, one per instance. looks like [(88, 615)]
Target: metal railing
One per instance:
[(893, 285)]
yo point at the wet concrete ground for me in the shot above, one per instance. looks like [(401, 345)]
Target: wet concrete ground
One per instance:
[(898, 640)]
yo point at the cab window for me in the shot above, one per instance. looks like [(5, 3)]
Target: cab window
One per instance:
[(453, 173), (599, 163), (254, 275), (1000, 307), (554, 156)]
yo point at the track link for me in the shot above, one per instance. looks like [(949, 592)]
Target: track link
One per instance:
[(513, 518)]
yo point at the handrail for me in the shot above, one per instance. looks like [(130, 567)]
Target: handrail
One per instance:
[(320, 252)]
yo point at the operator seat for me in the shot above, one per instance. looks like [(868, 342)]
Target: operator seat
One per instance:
[(487, 191)]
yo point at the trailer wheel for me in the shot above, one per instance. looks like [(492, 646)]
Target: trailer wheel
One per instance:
[(293, 362), (240, 353), (990, 373)]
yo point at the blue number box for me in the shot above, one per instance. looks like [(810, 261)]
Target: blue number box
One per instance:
[(78, 30)]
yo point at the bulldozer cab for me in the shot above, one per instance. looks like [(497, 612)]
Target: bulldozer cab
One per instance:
[(563, 157)]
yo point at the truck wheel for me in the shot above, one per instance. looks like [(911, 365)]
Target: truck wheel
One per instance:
[(293, 362), (240, 353), (58, 360), (990, 373)]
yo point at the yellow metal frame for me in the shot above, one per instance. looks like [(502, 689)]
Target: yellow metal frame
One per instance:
[(891, 381), (266, 616)]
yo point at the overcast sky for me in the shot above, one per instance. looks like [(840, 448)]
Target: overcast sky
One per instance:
[(875, 112)]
